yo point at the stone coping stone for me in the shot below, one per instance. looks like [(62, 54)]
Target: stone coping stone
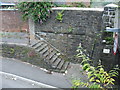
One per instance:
[(76, 8), (65, 8)]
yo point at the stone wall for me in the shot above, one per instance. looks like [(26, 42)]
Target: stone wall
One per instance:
[(78, 26), (11, 21)]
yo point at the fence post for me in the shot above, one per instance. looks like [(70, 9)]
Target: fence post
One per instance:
[(31, 29)]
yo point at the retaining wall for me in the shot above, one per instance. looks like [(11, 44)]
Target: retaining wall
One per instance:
[(79, 25)]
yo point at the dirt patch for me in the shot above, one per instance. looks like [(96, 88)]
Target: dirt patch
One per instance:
[(23, 53)]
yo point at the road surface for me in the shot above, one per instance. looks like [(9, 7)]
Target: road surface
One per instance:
[(9, 82), (31, 72)]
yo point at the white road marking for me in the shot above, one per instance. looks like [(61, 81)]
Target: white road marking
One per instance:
[(25, 79)]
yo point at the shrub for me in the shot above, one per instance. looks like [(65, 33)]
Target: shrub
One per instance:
[(98, 77), (38, 11)]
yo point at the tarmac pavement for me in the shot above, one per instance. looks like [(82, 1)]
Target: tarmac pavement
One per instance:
[(31, 72)]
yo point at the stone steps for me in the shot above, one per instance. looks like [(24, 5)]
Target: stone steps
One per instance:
[(48, 52), (57, 62), (44, 50), (54, 58), (37, 45), (51, 55), (41, 47), (60, 64)]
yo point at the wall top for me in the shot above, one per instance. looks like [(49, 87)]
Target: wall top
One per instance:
[(76, 8), (65, 8)]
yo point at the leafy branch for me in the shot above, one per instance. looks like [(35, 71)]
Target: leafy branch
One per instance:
[(98, 77)]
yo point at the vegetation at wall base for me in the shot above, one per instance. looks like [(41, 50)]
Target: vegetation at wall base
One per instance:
[(98, 77), (25, 54)]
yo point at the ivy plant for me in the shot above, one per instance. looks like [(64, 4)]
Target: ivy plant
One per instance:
[(38, 11)]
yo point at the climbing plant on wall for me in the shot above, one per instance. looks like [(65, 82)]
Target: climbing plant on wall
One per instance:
[(38, 11)]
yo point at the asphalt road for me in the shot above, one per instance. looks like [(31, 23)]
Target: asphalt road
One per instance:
[(8, 82), (31, 72)]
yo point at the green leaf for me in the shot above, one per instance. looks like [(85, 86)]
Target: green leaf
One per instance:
[(88, 69), (98, 81), (92, 79)]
